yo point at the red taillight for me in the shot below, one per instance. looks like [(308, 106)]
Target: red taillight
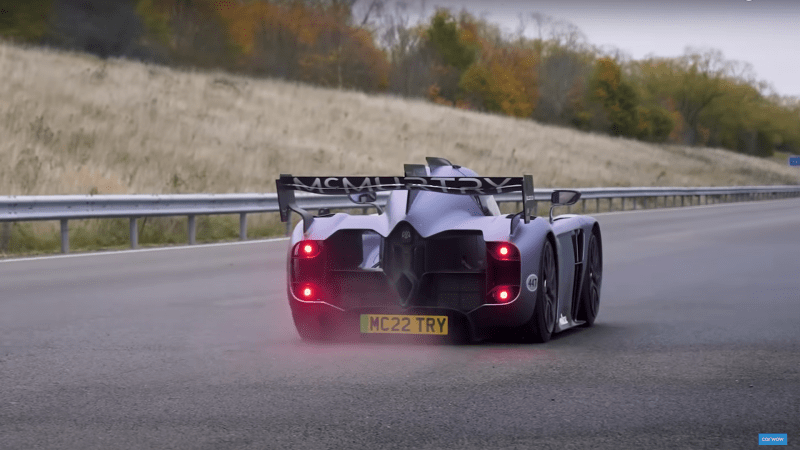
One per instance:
[(306, 291), (502, 272), (503, 294), (505, 251), (306, 249)]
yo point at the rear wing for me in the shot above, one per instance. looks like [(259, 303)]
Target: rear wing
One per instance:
[(288, 184)]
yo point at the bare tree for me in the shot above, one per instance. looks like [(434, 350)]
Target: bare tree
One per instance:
[(401, 37), (366, 13), (562, 80), (542, 23)]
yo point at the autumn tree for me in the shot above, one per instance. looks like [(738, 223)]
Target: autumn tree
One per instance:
[(308, 42), (503, 81)]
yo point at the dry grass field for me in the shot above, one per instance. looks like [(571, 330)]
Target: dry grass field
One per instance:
[(75, 124)]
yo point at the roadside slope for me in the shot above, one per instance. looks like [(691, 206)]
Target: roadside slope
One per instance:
[(74, 124)]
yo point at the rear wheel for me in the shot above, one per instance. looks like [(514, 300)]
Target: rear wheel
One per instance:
[(590, 295), (545, 312)]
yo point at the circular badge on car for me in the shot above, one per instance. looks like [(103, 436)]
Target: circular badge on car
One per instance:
[(532, 282)]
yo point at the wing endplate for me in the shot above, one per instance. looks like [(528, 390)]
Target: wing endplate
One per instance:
[(528, 198)]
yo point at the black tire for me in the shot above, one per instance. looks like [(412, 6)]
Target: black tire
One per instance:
[(590, 293), (541, 325)]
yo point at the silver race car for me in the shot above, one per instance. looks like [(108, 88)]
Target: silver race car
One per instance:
[(439, 259)]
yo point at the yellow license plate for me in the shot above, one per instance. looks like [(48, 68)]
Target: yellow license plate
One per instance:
[(403, 324)]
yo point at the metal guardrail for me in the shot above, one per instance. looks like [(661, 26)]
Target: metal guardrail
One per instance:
[(72, 207)]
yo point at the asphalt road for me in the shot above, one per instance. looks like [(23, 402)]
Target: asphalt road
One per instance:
[(697, 346)]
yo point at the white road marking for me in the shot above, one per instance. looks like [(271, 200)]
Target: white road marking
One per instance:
[(676, 208), (138, 250)]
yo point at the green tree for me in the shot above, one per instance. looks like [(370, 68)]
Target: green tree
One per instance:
[(655, 123), (24, 21), (693, 81), (617, 97), (445, 37)]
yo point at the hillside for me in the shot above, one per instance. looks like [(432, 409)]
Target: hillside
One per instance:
[(74, 124)]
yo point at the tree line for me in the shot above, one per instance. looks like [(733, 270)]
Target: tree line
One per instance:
[(545, 71)]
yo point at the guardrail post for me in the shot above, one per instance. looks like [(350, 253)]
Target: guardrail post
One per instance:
[(584, 205), (192, 229), (243, 226), (535, 208), (644, 202), (5, 236), (623, 203), (634, 202), (134, 231), (64, 236), (597, 205)]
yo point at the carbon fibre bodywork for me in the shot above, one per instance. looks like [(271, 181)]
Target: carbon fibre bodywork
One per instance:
[(432, 253)]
